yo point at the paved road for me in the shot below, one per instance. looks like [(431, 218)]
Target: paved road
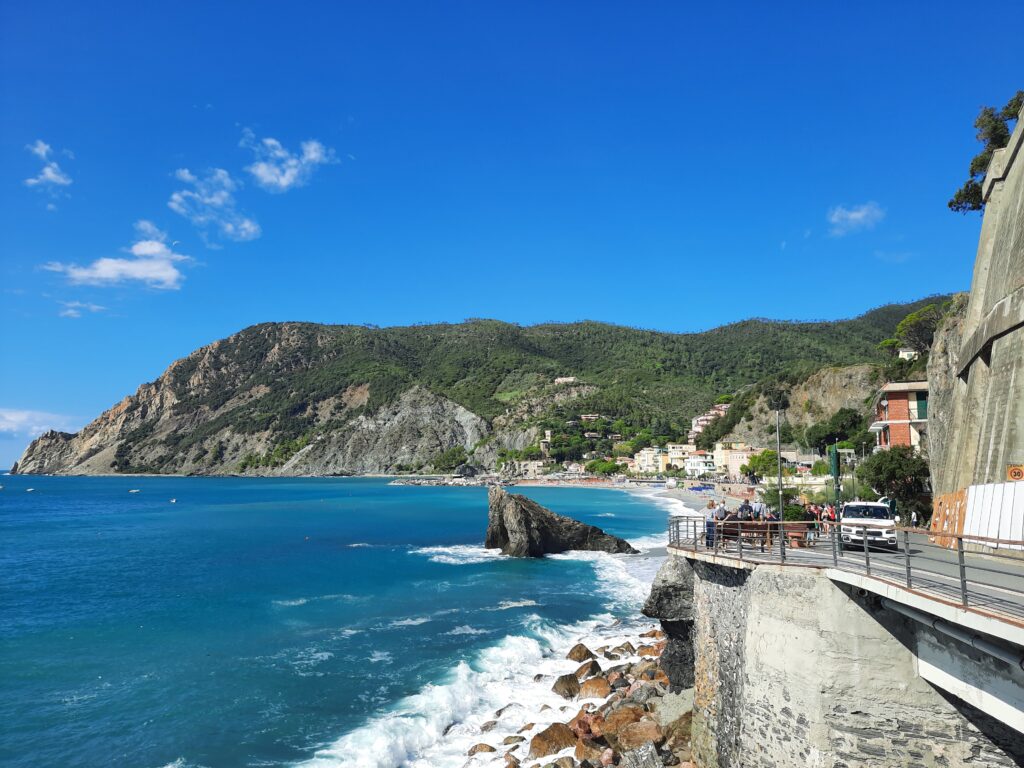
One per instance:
[(994, 583)]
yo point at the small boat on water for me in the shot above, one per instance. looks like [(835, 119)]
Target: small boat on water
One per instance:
[(134, 490), (29, 490), (174, 501)]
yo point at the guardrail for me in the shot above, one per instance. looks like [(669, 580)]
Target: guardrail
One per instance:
[(990, 583)]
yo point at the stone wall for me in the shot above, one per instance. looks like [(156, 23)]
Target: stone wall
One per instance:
[(793, 669), (984, 412)]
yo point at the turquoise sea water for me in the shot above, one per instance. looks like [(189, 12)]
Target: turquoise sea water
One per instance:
[(266, 622)]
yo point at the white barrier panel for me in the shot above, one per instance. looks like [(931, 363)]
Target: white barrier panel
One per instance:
[(996, 511)]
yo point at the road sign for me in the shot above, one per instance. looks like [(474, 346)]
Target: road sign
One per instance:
[(1015, 472)]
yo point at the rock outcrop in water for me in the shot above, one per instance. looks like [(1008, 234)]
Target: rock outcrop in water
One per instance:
[(523, 528)]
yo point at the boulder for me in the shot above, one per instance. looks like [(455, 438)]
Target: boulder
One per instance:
[(478, 748), (595, 688), (521, 527), (671, 597), (647, 650), (567, 686), (619, 718), (588, 669), (635, 735), (552, 739), (644, 756), (509, 740), (511, 761), (588, 749), (579, 652)]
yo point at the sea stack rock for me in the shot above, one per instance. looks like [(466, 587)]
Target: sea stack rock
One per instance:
[(523, 528)]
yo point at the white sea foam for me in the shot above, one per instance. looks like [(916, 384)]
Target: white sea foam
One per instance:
[(458, 554), (293, 602), (506, 605), (380, 657), (606, 514), (359, 544), (414, 622), (465, 629), (435, 727)]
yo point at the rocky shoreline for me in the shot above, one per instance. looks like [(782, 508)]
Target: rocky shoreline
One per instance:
[(621, 710)]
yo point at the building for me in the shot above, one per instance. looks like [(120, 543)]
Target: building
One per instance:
[(901, 414), (699, 423), (589, 417), (650, 461), (700, 463), (730, 455), (676, 454), (566, 380)]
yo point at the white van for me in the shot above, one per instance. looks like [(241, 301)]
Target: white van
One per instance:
[(870, 519)]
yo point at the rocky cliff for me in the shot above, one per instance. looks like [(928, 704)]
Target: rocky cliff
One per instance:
[(297, 398), (521, 527), (813, 400)]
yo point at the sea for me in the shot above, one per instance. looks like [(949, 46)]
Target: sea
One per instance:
[(222, 622)]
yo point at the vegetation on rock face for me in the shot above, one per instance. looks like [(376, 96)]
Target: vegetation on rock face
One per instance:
[(252, 398), (994, 131)]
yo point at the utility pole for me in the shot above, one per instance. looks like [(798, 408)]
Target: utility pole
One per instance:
[(778, 450)]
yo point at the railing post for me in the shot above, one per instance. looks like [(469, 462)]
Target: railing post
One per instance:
[(782, 542), (906, 555), (867, 549), (698, 526), (963, 569), (739, 539), (833, 537)]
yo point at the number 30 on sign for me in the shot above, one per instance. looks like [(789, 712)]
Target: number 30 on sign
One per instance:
[(1015, 471)]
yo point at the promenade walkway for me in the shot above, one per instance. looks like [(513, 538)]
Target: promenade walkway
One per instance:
[(988, 584)]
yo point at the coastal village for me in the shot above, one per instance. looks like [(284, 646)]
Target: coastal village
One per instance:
[(898, 418)]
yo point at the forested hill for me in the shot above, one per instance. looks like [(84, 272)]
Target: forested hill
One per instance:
[(301, 388)]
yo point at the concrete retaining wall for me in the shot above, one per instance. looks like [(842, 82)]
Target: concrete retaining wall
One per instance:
[(793, 669)]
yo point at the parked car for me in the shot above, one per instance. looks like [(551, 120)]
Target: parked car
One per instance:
[(871, 520)]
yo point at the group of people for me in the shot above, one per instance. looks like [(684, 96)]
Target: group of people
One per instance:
[(822, 517)]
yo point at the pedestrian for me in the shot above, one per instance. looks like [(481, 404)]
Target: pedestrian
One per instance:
[(709, 525), (913, 519)]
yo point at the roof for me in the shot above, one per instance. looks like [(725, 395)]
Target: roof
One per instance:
[(905, 386)]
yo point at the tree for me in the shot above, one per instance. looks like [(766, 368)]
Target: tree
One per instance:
[(820, 469), (450, 459), (994, 132), (765, 463), (917, 330), (842, 425), (899, 473), (603, 467)]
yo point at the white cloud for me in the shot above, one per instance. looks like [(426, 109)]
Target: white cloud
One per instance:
[(844, 220), (210, 205), (50, 178), (276, 169), (153, 263), (76, 308), (15, 421), (40, 149)]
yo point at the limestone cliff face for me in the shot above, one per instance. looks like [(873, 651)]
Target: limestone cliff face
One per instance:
[(209, 411), (417, 427), (521, 527), (813, 400), (941, 388)]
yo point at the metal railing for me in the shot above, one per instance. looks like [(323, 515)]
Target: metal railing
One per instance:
[(990, 583)]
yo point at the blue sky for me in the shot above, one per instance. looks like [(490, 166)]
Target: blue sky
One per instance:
[(172, 173)]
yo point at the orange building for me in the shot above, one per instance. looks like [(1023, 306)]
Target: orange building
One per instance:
[(901, 414)]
